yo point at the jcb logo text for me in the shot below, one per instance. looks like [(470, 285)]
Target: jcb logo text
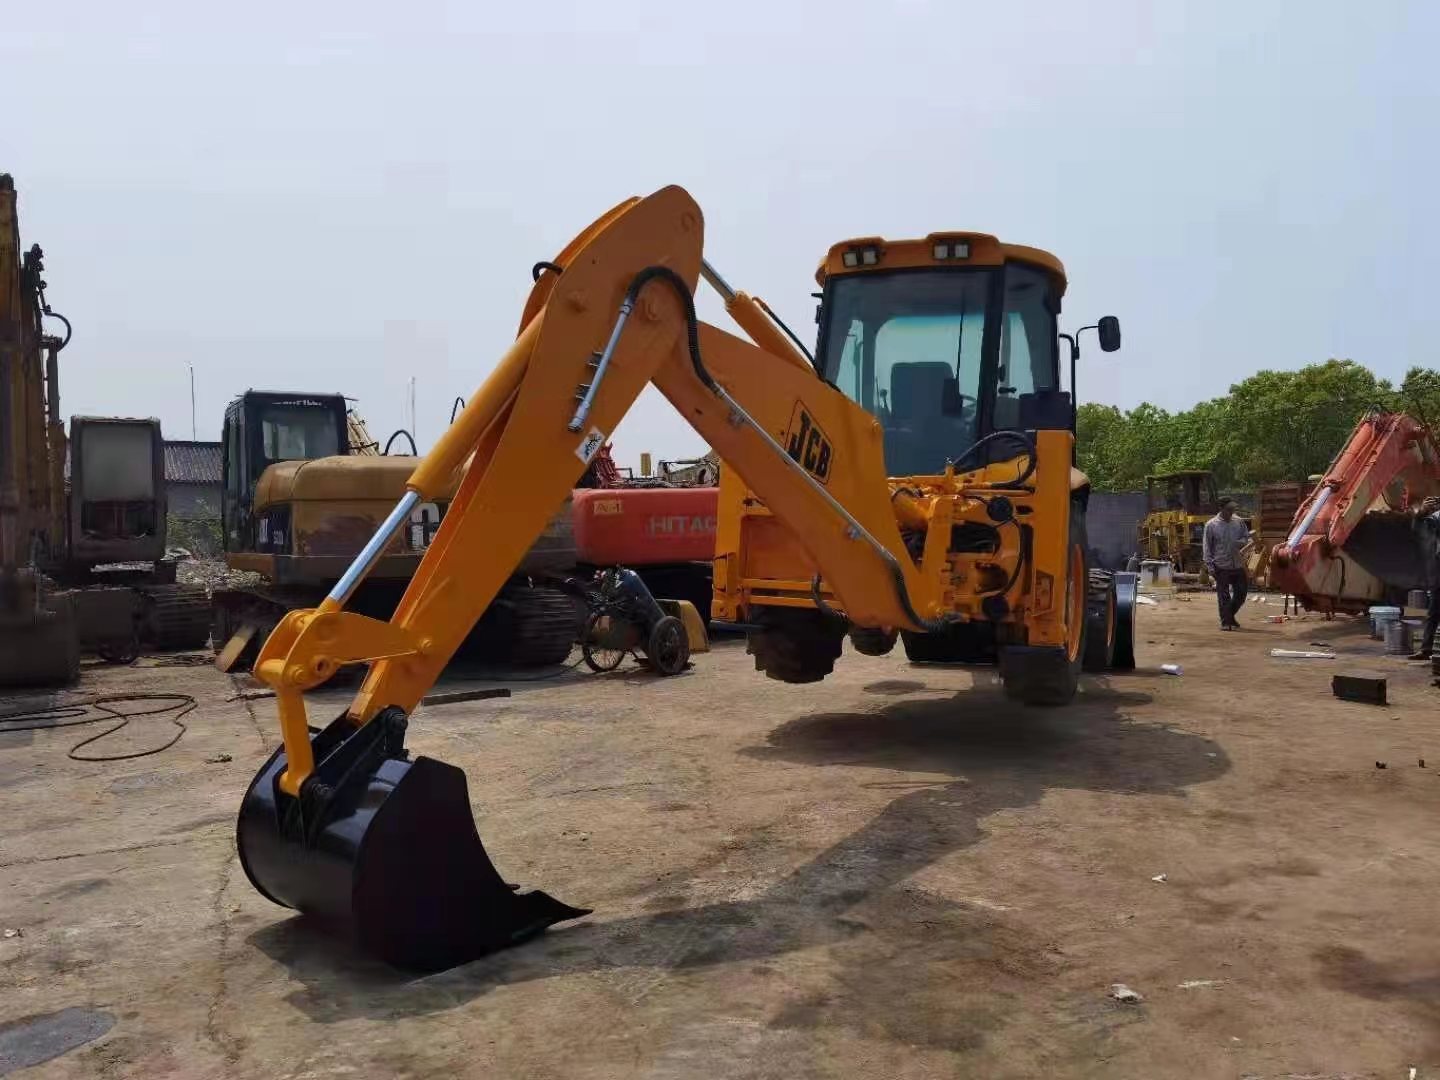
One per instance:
[(808, 445)]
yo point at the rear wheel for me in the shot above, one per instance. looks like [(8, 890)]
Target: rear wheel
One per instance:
[(604, 643), (872, 640), (1100, 614), (1126, 588), (795, 646), (929, 648), (1050, 675)]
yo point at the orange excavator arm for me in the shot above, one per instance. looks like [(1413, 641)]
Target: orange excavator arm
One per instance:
[(1339, 546)]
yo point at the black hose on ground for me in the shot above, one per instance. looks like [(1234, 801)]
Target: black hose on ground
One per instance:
[(73, 714)]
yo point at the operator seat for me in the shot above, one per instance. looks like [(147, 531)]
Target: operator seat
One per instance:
[(919, 437)]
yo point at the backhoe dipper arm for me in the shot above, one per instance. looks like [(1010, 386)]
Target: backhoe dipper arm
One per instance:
[(814, 457)]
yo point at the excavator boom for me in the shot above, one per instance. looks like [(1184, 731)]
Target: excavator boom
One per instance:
[(1351, 543)]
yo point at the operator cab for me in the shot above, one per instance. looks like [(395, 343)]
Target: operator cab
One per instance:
[(264, 428), (1191, 491), (946, 340)]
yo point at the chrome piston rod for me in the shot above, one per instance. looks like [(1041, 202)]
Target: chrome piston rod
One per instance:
[(373, 549)]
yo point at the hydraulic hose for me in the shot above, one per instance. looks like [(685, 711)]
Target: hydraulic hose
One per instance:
[(69, 331), (1032, 455), (1026, 537), (788, 332), (692, 324), (391, 442), (825, 609)]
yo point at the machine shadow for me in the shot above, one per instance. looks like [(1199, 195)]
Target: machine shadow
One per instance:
[(988, 754)]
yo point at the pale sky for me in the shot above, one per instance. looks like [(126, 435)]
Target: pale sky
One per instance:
[(338, 196)]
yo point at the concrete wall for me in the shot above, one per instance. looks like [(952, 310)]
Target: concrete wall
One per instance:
[(1115, 515), (193, 500), (1110, 526)]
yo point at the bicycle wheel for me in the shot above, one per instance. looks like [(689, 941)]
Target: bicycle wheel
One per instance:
[(603, 644)]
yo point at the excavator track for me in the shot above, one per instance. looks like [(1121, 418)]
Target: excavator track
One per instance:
[(175, 616), (526, 626)]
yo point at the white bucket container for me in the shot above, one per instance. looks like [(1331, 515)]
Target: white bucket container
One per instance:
[(1156, 573), (1397, 638), (1379, 616)]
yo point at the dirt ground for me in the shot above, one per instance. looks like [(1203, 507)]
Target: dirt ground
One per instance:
[(894, 873)]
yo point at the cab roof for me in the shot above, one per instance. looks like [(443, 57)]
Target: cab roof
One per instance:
[(981, 249)]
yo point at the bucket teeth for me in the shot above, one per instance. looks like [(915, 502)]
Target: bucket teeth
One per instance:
[(389, 855)]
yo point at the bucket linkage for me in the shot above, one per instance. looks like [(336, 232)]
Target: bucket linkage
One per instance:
[(384, 848)]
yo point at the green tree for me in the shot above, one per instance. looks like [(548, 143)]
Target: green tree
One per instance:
[(1274, 425)]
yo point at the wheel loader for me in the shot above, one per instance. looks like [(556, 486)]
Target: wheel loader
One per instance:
[(915, 481), (1180, 503)]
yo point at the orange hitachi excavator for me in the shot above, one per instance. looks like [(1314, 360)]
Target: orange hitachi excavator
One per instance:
[(1352, 543), (916, 479)]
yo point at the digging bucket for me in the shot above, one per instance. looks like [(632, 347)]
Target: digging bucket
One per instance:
[(383, 849)]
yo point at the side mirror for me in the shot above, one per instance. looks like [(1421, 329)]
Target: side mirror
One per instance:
[(1108, 329)]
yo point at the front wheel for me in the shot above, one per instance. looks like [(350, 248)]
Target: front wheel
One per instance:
[(1050, 675), (668, 649), (1100, 621)]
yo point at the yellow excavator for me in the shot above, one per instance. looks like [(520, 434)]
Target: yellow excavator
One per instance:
[(916, 480)]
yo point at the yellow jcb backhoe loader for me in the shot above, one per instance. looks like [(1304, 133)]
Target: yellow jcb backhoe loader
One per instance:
[(917, 480)]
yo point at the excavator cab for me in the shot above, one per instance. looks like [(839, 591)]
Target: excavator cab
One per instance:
[(944, 355), (916, 481), (263, 429)]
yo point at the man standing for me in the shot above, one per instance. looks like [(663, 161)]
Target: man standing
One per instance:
[(1225, 536), (1427, 523)]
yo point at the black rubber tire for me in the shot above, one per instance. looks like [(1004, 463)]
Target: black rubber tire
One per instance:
[(872, 640), (1126, 589), (929, 648), (1100, 621), (1048, 676), (600, 657), (544, 625), (796, 646), (525, 626), (668, 649)]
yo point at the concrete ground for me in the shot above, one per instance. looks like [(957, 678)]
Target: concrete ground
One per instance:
[(896, 873)]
